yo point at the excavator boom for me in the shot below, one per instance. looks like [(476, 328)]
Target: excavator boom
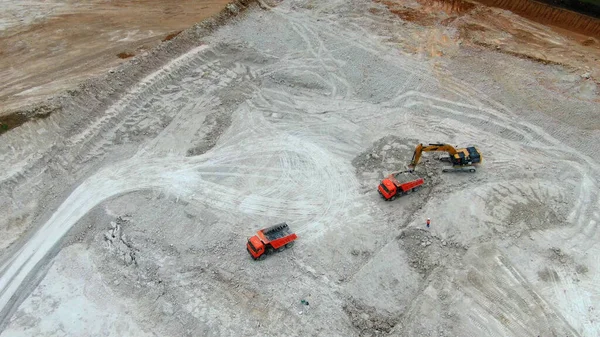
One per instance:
[(429, 148), (459, 158)]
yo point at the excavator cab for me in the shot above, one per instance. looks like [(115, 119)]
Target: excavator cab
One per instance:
[(466, 156)]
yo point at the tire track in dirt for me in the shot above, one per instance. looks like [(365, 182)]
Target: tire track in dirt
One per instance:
[(488, 111), (286, 155), (96, 128), (178, 176), (183, 175), (477, 110), (495, 287), (475, 116)]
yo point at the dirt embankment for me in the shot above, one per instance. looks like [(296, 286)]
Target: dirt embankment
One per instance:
[(450, 6), (452, 25), (532, 10), (87, 103), (63, 47), (548, 15)]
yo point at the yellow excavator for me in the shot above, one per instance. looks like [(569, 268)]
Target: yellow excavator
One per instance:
[(462, 160)]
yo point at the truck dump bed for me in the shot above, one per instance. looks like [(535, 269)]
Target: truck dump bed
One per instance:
[(277, 231), (404, 177)]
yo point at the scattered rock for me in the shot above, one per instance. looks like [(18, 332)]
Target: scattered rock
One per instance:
[(128, 259), (581, 269), (589, 41), (370, 159), (368, 320), (233, 8), (548, 275), (557, 251), (108, 236), (116, 233)]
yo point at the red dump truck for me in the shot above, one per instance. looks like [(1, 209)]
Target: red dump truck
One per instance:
[(399, 184), (271, 239)]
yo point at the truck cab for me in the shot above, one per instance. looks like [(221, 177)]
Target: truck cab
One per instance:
[(387, 188), (255, 247)]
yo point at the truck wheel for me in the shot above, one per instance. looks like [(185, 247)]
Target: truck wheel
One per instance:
[(262, 257), (393, 198), (290, 245), (269, 251), (471, 170)]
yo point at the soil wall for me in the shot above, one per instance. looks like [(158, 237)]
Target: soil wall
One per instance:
[(92, 95), (583, 7), (549, 15)]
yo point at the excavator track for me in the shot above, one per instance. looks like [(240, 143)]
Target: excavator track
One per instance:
[(469, 169)]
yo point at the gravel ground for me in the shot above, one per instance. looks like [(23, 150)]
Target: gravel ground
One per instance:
[(131, 219)]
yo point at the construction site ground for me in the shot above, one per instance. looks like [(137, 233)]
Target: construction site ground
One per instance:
[(126, 211), (49, 46)]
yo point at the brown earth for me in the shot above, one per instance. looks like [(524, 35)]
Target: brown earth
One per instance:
[(67, 45), (545, 14), (451, 24), (75, 42)]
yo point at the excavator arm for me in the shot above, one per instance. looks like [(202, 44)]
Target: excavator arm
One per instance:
[(430, 148)]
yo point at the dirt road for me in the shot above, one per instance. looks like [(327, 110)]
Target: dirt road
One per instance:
[(136, 224)]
